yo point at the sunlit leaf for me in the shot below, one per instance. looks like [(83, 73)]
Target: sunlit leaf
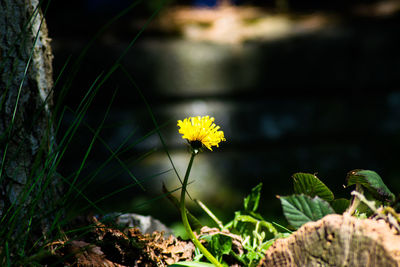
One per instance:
[(220, 245), (252, 255), (309, 184), (300, 209), (372, 182)]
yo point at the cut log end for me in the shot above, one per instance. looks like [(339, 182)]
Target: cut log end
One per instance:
[(337, 240)]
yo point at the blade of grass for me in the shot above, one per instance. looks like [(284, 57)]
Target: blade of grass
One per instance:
[(7, 251), (121, 190), (194, 222), (80, 193), (113, 68), (83, 162), (149, 110), (66, 139), (116, 64), (210, 213), (11, 126), (157, 198), (115, 156), (282, 227), (90, 95), (19, 42), (56, 157), (110, 177), (78, 63)]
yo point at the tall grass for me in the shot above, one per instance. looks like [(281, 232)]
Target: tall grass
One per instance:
[(20, 247)]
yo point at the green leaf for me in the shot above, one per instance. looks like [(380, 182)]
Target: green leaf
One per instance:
[(308, 184), (252, 255), (300, 209), (372, 182), (220, 245), (252, 200), (192, 264), (254, 221), (340, 205)]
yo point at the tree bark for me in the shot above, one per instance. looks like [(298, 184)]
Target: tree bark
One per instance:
[(27, 184), (337, 240)]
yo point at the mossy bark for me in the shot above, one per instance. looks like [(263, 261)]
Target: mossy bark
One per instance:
[(26, 83), (337, 240)]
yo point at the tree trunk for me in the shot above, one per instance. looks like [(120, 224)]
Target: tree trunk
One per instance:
[(27, 183), (337, 240)]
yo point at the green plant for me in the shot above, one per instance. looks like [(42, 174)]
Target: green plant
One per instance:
[(248, 227), (313, 199), (257, 233), (30, 249)]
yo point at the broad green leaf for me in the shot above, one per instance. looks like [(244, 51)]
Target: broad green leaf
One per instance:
[(308, 184), (300, 209), (372, 182), (252, 200), (220, 245), (340, 205), (192, 264)]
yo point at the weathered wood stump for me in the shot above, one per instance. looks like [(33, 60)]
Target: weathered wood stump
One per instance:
[(337, 240)]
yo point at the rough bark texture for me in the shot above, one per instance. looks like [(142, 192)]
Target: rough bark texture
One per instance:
[(25, 134), (337, 240)]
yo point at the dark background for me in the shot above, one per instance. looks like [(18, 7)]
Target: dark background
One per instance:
[(324, 101)]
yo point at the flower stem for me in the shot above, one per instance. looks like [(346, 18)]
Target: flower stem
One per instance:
[(185, 221)]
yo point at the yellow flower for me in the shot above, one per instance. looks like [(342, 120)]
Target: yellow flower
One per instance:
[(201, 131)]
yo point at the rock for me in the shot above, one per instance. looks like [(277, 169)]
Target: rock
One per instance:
[(337, 240), (146, 224)]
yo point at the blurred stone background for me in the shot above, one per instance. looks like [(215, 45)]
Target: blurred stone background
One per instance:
[(296, 87)]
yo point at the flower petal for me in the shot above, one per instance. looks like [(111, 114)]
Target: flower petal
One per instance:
[(201, 129)]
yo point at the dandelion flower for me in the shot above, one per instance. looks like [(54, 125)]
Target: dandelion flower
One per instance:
[(201, 131)]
